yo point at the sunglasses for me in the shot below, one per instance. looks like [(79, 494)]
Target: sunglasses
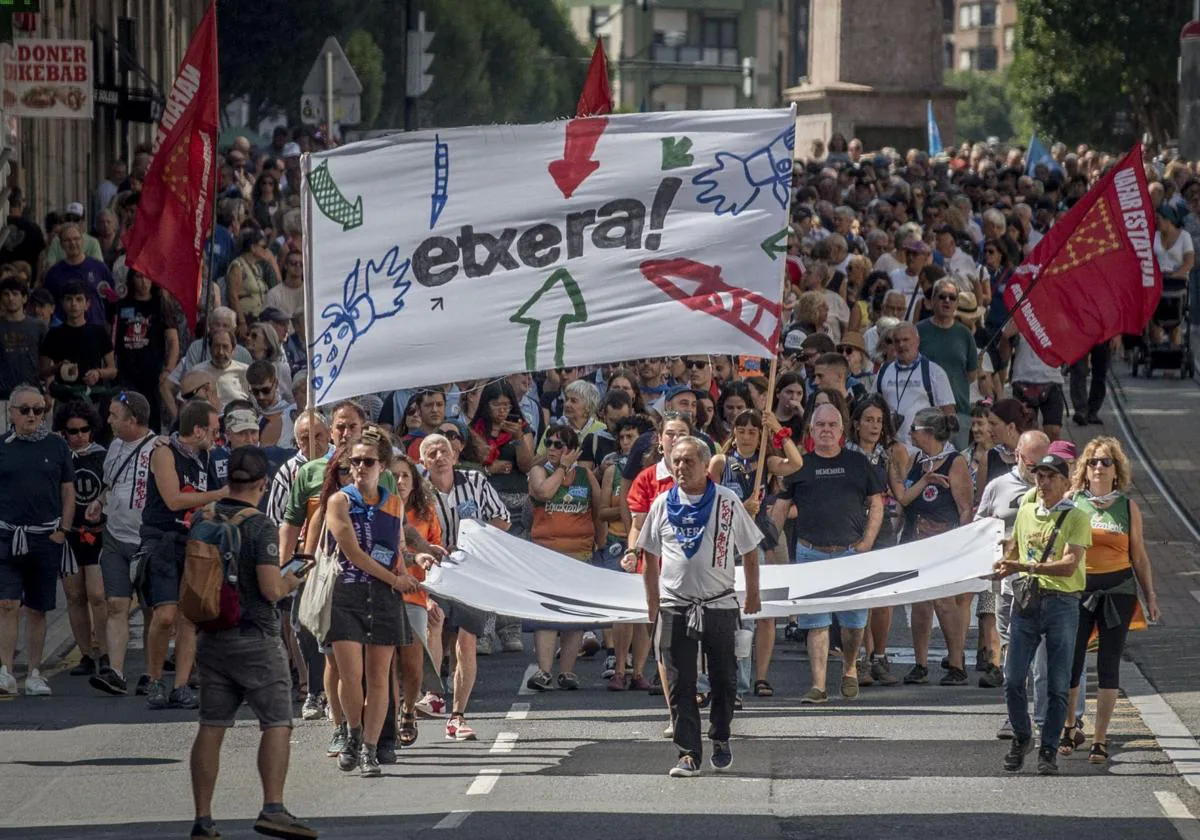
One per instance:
[(1100, 462), (990, 251), (262, 392), (191, 395), (953, 298), (35, 410), (364, 462), (846, 351), (555, 444), (451, 434), (694, 365), (74, 431)]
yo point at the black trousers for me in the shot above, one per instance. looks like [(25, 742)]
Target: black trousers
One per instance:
[(1087, 400), (679, 654)]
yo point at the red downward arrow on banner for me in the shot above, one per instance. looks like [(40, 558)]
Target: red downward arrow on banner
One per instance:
[(576, 165)]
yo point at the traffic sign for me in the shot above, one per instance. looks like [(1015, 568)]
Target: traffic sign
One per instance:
[(347, 110), (345, 80)]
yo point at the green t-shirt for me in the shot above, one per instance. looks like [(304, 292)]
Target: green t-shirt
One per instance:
[(306, 488), (954, 349), (1032, 529)]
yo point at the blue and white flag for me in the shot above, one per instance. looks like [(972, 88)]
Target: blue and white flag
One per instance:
[(1039, 154), (935, 136)]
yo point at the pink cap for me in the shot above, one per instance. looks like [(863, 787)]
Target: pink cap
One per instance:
[(1063, 449)]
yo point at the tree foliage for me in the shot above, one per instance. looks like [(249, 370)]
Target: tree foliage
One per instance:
[(986, 111), (494, 60), (1088, 71)]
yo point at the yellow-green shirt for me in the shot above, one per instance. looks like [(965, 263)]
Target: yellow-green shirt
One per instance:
[(1031, 531)]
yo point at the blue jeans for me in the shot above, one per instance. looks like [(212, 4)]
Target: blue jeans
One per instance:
[(1057, 622), (850, 619), (1039, 690)]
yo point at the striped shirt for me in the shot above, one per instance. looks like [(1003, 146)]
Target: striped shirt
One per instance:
[(281, 487), (470, 497)]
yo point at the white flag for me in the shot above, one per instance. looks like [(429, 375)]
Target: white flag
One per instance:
[(473, 252)]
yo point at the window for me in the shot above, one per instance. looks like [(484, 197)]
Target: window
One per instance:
[(947, 15), (1010, 38), (986, 59), (987, 14), (968, 17), (966, 59), (948, 56), (719, 32)]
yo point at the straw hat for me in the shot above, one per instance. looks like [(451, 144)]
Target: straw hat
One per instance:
[(968, 307)]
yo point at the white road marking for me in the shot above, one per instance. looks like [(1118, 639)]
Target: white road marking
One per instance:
[(453, 820), (519, 711), (506, 742), (524, 689), (1196, 594), (484, 782), (1179, 815), (1171, 733)]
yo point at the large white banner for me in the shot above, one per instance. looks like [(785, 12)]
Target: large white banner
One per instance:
[(501, 573), (472, 252)]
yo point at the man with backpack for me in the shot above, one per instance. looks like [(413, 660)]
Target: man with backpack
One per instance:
[(912, 382), (240, 653)]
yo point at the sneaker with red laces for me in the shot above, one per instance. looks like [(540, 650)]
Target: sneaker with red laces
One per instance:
[(430, 706), (618, 682), (457, 729)]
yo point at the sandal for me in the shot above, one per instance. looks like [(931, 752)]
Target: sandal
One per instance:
[(408, 728), (1068, 743), (1099, 753), (762, 688)]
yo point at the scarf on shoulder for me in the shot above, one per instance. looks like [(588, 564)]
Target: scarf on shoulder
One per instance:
[(40, 433), (690, 520), (494, 444), (359, 505)]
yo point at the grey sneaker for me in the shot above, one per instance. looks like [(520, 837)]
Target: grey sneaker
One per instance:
[(881, 671), (1005, 732), (954, 676), (338, 742), (156, 695), (368, 761), (993, 677), (348, 757), (283, 824), (541, 681), (312, 708), (183, 698), (483, 645), (511, 640), (917, 675), (1047, 762)]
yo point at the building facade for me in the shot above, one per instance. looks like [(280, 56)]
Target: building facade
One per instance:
[(137, 47), (979, 34), (670, 55)]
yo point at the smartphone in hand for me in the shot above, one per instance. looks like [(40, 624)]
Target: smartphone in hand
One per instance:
[(299, 566)]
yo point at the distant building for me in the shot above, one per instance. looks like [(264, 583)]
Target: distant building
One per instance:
[(671, 55), (979, 34)]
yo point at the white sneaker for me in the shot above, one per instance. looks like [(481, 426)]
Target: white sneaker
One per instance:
[(36, 685), (8, 683)]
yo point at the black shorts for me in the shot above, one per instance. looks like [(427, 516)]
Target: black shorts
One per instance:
[(31, 578), (370, 613), (163, 565), (1044, 398), (85, 547), (460, 616)]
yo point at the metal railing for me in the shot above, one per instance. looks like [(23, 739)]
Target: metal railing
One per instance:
[(696, 54)]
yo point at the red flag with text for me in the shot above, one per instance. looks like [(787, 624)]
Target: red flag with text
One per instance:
[(1093, 276), (175, 210), (596, 97)]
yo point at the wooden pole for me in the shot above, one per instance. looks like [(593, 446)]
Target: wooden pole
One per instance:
[(771, 376)]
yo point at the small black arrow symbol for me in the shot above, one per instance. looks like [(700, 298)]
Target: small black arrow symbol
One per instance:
[(438, 303)]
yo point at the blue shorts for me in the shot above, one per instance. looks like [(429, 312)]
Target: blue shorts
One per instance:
[(850, 619)]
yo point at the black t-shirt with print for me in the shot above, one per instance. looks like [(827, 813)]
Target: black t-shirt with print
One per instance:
[(141, 341), (86, 346), (832, 496)]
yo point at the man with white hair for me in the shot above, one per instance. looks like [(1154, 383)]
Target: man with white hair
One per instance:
[(221, 318)]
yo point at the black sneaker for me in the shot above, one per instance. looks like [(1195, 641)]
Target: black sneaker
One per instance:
[(156, 695), (183, 698), (983, 660), (1094, 418), (993, 677), (143, 686), (86, 667), (954, 676), (917, 675), (110, 682), (1079, 418), (368, 761), (348, 757), (169, 665), (386, 752), (1047, 763), (283, 824), (541, 681), (791, 633), (722, 757), (945, 663), (1017, 751), (205, 829)]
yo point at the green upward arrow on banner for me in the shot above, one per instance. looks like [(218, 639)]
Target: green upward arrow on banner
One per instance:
[(563, 309), (331, 201)]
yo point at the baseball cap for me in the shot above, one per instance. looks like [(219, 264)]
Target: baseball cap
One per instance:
[(682, 389), (291, 150), (247, 464), (1063, 449), (274, 314), (793, 341), (1055, 463), (74, 209), (241, 420)]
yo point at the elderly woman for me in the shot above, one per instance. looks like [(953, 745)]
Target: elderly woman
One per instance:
[(1117, 564), (936, 498), (580, 401)]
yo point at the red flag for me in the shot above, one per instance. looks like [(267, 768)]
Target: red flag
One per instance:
[(1093, 276), (175, 210), (596, 97)]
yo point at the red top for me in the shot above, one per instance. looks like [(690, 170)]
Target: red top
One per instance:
[(647, 487)]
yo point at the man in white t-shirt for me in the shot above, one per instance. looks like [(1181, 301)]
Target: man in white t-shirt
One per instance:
[(698, 530), (908, 279), (912, 382), (1037, 384)]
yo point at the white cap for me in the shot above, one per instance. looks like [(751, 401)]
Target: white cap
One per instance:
[(291, 150), (75, 209)]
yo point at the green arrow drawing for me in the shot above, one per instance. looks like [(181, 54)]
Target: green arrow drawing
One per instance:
[(572, 310), (775, 244), (331, 201), (675, 152)]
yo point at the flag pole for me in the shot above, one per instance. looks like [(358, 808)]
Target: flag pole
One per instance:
[(309, 295)]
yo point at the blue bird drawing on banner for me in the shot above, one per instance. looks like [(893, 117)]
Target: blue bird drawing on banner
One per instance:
[(736, 181), (360, 309), (441, 180)]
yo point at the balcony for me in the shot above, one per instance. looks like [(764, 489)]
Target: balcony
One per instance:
[(697, 55)]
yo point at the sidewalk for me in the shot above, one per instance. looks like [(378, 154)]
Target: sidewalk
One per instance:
[(1156, 421)]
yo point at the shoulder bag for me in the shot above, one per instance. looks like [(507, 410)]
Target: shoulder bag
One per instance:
[(1027, 594), (316, 601)]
